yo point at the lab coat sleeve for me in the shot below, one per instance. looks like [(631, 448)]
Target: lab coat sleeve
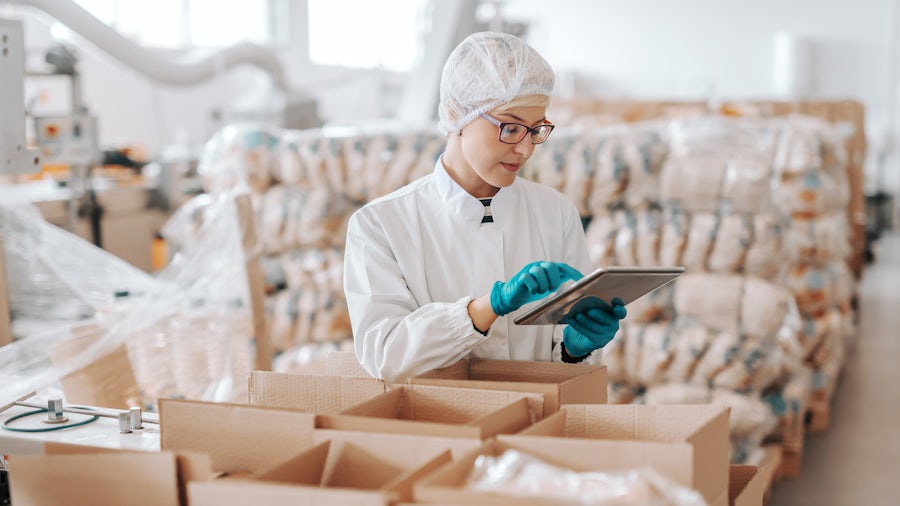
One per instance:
[(394, 337)]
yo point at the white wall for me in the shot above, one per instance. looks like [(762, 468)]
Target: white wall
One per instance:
[(636, 48)]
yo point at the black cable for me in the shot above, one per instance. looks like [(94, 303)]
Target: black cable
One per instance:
[(6, 423)]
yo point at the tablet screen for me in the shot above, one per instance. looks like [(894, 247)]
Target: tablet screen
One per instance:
[(626, 283)]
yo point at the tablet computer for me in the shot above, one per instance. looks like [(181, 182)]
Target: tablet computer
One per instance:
[(626, 283)]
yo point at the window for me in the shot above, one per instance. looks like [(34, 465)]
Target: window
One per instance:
[(186, 24), (367, 33)]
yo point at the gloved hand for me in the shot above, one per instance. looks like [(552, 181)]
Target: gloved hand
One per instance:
[(535, 281), (592, 323)]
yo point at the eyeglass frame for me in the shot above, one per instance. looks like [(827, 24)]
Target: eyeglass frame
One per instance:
[(528, 130)]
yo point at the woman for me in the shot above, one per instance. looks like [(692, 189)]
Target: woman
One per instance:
[(435, 271)]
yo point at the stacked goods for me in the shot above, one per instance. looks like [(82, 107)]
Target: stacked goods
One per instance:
[(604, 169), (304, 186), (729, 330), (813, 194)]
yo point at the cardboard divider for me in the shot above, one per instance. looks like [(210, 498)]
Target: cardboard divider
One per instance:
[(412, 446), (687, 443), (558, 383), (313, 393), (238, 438), (436, 411)]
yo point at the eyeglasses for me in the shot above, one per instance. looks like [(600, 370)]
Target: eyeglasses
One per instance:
[(513, 133)]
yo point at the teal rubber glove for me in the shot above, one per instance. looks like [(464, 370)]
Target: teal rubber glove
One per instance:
[(592, 324), (534, 282)]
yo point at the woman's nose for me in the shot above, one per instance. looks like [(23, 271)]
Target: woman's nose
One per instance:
[(525, 147)]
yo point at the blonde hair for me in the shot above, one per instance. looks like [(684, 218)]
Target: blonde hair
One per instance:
[(524, 101)]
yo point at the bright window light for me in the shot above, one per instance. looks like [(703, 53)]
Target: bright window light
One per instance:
[(155, 24), (214, 22), (185, 24), (366, 33)]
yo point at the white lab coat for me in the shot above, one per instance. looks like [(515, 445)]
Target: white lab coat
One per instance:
[(415, 258)]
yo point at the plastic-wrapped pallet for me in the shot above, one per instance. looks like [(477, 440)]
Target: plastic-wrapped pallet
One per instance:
[(186, 332)]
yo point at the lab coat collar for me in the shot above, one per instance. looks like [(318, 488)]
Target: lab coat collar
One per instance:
[(462, 202)]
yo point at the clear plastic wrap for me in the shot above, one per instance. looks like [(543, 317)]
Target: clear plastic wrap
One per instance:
[(187, 332), (517, 474)]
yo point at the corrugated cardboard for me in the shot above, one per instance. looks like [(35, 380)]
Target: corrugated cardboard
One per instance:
[(107, 477), (746, 486), (417, 445), (237, 437), (344, 363), (436, 411), (689, 444), (325, 474), (313, 393), (559, 383)]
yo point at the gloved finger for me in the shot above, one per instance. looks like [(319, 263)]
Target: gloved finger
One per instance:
[(566, 271), (587, 303), (539, 272), (553, 277), (602, 316), (618, 308), (530, 281), (610, 312), (592, 325)]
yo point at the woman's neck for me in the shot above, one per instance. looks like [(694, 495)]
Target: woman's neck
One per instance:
[(463, 174)]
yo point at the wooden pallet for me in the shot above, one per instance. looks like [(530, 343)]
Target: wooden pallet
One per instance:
[(770, 469), (792, 439), (791, 461), (819, 416)]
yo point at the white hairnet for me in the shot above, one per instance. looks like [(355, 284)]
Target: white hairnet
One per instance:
[(485, 70)]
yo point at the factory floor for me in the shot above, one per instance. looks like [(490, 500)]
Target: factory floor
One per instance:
[(856, 460)]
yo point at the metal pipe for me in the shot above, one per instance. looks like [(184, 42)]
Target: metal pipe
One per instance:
[(150, 64)]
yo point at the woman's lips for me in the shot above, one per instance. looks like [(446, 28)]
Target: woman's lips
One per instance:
[(512, 167)]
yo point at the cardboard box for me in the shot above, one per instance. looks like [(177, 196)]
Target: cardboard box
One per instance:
[(686, 443), (237, 437), (96, 477), (313, 393), (436, 411), (447, 485), (328, 473), (746, 486), (558, 383), (190, 466), (416, 444)]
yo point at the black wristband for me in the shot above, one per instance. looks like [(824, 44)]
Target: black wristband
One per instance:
[(484, 333), (569, 359)]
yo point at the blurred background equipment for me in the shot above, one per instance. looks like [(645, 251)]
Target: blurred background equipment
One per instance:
[(15, 155)]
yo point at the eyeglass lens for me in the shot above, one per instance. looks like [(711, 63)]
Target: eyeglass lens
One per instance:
[(513, 133)]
